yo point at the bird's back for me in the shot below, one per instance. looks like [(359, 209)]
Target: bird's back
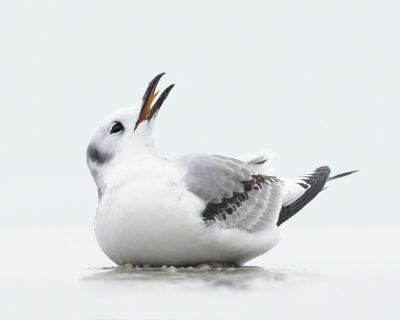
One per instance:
[(237, 196)]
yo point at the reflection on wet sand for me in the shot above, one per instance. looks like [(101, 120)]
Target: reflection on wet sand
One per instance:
[(203, 276)]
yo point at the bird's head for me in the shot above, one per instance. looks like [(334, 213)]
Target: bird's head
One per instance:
[(126, 133)]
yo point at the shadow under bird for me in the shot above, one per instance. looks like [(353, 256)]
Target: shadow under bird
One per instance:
[(186, 209)]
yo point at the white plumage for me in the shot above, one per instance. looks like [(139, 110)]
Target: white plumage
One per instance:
[(188, 209)]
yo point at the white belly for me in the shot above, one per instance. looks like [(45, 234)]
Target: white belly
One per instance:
[(159, 223)]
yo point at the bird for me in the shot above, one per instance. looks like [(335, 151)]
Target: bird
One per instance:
[(185, 210)]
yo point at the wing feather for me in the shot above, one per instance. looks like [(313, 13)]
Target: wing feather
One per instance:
[(236, 196)]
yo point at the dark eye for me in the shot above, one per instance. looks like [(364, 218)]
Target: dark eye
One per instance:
[(117, 127)]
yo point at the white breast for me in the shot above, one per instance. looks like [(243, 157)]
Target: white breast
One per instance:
[(146, 217), (149, 217)]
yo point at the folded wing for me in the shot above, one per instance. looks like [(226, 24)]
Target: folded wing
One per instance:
[(236, 195)]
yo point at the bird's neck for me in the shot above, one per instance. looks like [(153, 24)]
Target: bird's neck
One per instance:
[(126, 168), (131, 160)]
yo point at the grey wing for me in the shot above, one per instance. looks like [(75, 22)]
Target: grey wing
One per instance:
[(236, 195)]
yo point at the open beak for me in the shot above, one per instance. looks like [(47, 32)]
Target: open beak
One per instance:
[(145, 112)]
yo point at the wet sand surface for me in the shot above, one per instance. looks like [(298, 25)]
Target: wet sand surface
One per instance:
[(236, 278), (311, 274)]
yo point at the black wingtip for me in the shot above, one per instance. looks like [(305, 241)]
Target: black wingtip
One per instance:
[(316, 182)]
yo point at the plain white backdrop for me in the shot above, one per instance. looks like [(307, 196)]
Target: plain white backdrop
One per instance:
[(315, 81)]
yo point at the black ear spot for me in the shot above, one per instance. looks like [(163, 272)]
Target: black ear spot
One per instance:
[(96, 156), (117, 128)]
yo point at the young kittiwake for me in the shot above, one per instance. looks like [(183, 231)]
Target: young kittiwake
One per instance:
[(187, 209)]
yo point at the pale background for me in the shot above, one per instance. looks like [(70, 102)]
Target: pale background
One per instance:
[(315, 81)]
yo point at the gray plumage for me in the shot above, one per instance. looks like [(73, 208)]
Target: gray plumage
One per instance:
[(236, 196)]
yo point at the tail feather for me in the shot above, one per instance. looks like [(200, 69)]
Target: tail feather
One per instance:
[(314, 183)]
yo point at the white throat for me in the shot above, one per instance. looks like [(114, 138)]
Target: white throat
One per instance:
[(129, 159)]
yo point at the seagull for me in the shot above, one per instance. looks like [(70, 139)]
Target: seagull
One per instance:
[(186, 210)]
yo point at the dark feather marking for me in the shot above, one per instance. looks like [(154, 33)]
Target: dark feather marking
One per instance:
[(96, 156), (317, 182), (262, 161), (229, 205), (305, 186)]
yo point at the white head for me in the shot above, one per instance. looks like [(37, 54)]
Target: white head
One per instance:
[(125, 134)]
